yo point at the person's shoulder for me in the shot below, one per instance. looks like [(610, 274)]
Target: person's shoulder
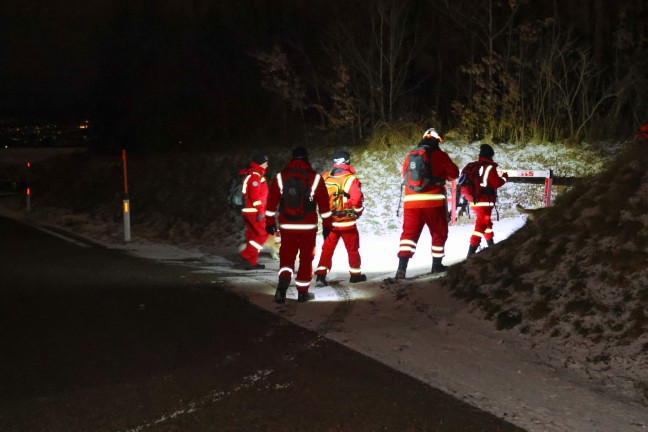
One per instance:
[(443, 154)]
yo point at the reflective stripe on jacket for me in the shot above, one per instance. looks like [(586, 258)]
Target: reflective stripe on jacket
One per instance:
[(489, 181), (255, 189), (318, 193), (433, 195), (351, 198)]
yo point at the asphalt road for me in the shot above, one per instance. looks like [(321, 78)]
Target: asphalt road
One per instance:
[(96, 340)]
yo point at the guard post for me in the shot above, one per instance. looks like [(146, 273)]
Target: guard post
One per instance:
[(534, 177), (547, 192)]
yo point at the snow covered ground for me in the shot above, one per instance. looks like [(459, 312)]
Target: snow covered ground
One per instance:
[(414, 326)]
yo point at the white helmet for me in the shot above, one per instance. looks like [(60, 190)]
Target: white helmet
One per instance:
[(432, 133)]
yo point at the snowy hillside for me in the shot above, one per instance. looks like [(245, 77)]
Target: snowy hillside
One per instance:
[(576, 278)]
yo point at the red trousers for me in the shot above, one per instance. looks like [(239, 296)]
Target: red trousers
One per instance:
[(413, 222), (351, 240), (483, 225), (255, 237), (293, 242)]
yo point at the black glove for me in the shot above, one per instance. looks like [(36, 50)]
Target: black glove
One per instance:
[(270, 229), (260, 217), (326, 232)]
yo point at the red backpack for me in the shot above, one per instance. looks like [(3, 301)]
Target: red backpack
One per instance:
[(470, 181), (418, 175)]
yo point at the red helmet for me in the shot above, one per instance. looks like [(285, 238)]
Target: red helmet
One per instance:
[(642, 135)]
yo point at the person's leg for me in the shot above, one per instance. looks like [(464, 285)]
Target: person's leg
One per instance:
[(326, 257), (437, 222), (351, 240), (255, 236), (306, 254), (488, 226), (413, 222), (287, 256), (250, 248), (412, 226), (482, 220)]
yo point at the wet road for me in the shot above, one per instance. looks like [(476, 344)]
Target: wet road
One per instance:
[(96, 340)]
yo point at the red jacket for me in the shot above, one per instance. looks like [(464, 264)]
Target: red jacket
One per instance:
[(319, 195), (490, 181), (255, 189), (343, 176), (433, 195)]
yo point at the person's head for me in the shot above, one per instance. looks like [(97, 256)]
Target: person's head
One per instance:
[(486, 151), (300, 153), (431, 138), (341, 157), (261, 160)]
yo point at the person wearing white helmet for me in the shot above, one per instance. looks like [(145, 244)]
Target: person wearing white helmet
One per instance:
[(425, 172)]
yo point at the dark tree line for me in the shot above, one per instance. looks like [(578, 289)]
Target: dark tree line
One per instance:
[(209, 73), (505, 70)]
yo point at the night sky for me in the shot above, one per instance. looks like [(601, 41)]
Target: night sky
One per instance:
[(47, 58), (176, 66), (144, 69)]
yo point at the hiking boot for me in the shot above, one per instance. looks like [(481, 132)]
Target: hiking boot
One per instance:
[(358, 278), (437, 267), (282, 287), (490, 243), (321, 281), (304, 296), (254, 267), (471, 250), (402, 267)]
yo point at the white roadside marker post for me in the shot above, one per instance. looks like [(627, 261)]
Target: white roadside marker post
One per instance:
[(28, 189), (127, 233)]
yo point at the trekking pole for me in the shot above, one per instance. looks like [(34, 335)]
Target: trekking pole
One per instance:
[(400, 200)]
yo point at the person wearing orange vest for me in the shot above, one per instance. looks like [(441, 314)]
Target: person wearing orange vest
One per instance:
[(296, 196), (489, 181), (426, 206), (345, 199), (255, 192)]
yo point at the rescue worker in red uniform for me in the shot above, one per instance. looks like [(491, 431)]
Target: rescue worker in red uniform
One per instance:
[(298, 225), (345, 199), (255, 192), (490, 181), (427, 206)]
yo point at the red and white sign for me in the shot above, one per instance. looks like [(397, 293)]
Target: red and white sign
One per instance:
[(526, 173)]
